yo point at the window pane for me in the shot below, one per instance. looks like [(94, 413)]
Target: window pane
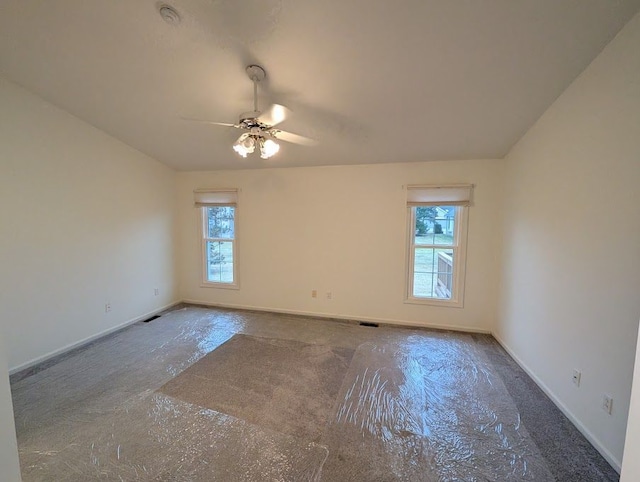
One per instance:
[(435, 225), (220, 222), (444, 226), (220, 261), (425, 219), (433, 273)]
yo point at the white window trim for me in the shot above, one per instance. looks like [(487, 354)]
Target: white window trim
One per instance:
[(205, 283), (461, 226)]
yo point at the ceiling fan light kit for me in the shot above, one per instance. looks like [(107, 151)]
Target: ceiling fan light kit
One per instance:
[(268, 148), (246, 144), (260, 126)]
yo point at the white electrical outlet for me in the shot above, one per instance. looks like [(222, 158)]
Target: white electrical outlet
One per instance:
[(329, 295), (576, 377), (156, 291), (607, 403), (107, 307), (314, 293)]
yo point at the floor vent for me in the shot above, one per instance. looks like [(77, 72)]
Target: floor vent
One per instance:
[(367, 323), (154, 317)]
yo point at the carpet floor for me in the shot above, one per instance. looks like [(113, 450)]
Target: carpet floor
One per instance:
[(204, 394)]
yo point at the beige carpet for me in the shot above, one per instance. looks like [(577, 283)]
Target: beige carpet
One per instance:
[(282, 385)]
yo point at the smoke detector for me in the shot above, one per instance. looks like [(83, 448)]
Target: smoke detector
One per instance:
[(169, 14)]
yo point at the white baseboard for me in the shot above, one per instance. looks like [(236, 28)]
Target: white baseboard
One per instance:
[(84, 341), (336, 316), (615, 463), (91, 338)]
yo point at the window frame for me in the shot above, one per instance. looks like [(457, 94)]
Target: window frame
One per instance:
[(205, 282), (459, 266)]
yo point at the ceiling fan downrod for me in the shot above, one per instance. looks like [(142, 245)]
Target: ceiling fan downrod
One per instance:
[(256, 74)]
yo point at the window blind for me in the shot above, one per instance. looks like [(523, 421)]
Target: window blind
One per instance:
[(215, 197), (447, 195)]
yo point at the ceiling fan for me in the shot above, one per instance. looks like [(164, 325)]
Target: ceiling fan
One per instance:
[(259, 127)]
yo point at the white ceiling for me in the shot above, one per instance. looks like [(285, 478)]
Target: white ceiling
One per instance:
[(371, 80)]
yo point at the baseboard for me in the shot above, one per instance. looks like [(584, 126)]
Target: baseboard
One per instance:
[(386, 321), (84, 341), (87, 340), (615, 463)]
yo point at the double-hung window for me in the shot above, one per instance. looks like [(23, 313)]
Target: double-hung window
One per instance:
[(218, 220), (437, 234)]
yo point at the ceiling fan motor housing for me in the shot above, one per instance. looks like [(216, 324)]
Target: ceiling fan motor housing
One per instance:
[(250, 119)]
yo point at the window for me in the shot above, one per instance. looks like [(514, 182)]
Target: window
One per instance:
[(437, 243), (218, 229)]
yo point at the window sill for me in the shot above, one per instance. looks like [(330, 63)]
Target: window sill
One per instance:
[(224, 286), (434, 302)]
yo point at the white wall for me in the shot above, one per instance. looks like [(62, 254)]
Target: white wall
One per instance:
[(341, 229), (85, 220), (631, 461), (572, 238), (8, 446)]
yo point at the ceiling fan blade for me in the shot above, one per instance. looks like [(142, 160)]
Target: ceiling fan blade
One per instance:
[(274, 114), (293, 138), (204, 121)]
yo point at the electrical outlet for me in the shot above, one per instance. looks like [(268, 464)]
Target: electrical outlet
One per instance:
[(314, 293), (576, 377), (607, 403), (107, 307), (329, 295), (156, 291)]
